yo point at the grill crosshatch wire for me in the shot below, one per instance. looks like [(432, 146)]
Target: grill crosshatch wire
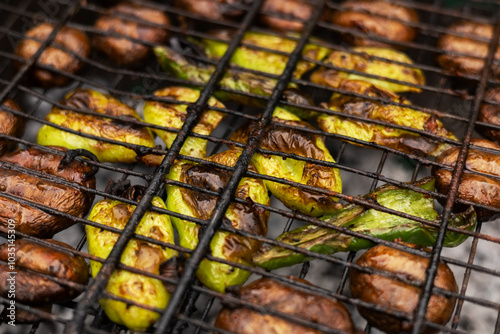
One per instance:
[(193, 307)]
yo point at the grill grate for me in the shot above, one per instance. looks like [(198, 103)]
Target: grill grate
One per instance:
[(192, 306)]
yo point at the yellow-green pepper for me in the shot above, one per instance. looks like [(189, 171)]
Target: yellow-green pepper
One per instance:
[(264, 61), (402, 140), (246, 217), (350, 61), (91, 100), (173, 115), (139, 254), (301, 143)]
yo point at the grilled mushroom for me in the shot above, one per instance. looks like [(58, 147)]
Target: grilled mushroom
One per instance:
[(296, 10), (64, 54), (472, 49), (213, 9), (376, 17), (32, 262), (396, 295), (475, 188), (279, 297), (54, 194), (127, 21), (490, 113), (11, 125)]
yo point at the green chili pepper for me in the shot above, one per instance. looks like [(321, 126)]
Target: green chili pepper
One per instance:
[(371, 222), (178, 65), (245, 217), (264, 61)]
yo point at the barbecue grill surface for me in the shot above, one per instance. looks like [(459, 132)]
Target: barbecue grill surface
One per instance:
[(476, 263)]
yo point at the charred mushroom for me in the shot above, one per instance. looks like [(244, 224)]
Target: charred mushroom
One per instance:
[(476, 188), (470, 40)]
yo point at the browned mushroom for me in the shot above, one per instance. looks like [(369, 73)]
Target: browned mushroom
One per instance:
[(470, 47), (397, 295), (132, 21), (473, 187), (279, 297), (376, 17), (75, 41)]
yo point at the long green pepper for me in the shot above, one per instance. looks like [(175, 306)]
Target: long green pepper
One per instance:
[(179, 66), (371, 222)]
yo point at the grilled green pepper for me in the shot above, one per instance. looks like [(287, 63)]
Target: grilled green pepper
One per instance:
[(294, 141), (173, 116), (402, 140), (372, 223), (138, 254), (182, 68), (264, 61), (91, 100), (362, 63), (245, 217)]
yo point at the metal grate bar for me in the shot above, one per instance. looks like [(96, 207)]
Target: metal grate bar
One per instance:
[(238, 172), (455, 183)]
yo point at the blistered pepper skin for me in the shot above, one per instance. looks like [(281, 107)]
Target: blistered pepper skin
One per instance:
[(301, 143), (233, 82), (371, 222), (91, 100), (399, 139), (139, 254), (264, 61), (174, 115), (249, 218), (363, 63)]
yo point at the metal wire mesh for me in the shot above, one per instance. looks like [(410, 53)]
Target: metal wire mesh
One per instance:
[(193, 307)]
